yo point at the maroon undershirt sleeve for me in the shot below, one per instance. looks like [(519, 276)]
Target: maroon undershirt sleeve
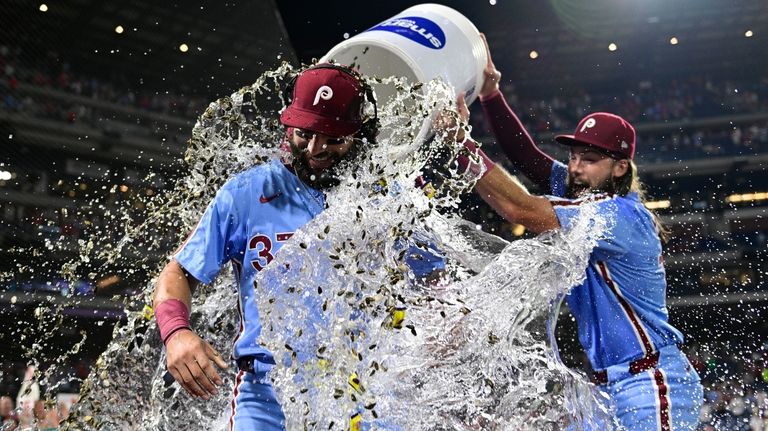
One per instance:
[(515, 141)]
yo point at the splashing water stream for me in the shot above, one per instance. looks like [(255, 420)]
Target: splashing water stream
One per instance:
[(471, 352)]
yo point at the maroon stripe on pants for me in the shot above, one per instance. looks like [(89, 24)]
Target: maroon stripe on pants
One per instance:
[(663, 394), (238, 381)]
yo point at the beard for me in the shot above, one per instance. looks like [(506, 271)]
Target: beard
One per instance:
[(575, 189), (326, 178)]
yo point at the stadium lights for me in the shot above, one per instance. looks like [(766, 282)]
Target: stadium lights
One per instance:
[(183, 47), (747, 197), (119, 29), (673, 41), (43, 7), (612, 47), (518, 230), (5, 175), (748, 33), (534, 55), (108, 281), (655, 205)]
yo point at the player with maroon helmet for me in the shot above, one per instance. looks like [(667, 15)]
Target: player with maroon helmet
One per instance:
[(247, 222), (620, 308)]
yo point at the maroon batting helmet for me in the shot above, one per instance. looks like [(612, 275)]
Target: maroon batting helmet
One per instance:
[(605, 131), (328, 99)]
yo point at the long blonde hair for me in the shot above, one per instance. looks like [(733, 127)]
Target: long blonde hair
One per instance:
[(630, 182)]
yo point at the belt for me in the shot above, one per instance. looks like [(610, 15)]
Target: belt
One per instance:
[(637, 366), (248, 363)]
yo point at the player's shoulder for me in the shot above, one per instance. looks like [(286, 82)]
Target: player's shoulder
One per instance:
[(592, 198), (631, 202), (631, 209), (256, 176)]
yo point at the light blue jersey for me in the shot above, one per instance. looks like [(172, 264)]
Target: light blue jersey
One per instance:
[(247, 222), (620, 309), (622, 318)]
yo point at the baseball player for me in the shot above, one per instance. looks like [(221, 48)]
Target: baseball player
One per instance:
[(247, 222), (620, 308)]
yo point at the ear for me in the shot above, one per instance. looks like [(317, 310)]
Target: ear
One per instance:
[(620, 168)]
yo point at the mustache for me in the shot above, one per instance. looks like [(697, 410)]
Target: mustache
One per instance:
[(321, 180), (576, 188), (304, 153), (573, 180)]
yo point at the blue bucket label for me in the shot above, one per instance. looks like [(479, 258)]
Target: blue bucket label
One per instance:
[(469, 93), (416, 28)]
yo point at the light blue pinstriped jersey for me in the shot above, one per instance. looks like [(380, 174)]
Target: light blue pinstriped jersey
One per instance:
[(247, 222), (620, 309)]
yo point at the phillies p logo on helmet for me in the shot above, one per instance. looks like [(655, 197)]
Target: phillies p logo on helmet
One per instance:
[(590, 123), (325, 92)]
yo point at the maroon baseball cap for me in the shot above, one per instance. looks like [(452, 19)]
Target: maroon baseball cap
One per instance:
[(606, 131), (325, 99)]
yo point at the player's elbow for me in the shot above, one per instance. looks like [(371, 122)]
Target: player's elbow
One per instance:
[(172, 282), (537, 224), (537, 216)]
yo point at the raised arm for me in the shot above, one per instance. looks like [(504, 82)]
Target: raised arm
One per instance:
[(513, 202), (514, 140), (501, 190)]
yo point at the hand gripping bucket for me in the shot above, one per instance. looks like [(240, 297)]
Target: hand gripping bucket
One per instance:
[(421, 43)]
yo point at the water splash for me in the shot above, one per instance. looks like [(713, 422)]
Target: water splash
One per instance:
[(470, 351)]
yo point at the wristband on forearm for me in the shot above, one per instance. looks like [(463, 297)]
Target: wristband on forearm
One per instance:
[(172, 316), (475, 161)]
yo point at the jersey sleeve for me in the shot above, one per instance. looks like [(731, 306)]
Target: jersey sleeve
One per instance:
[(424, 259), (515, 141), (613, 242), (210, 244), (557, 179)]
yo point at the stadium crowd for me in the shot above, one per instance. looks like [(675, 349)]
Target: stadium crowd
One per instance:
[(678, 100), (48, 71), (735, 388)]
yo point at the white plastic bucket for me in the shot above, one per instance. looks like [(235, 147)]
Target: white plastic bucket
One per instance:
[(421, 43)]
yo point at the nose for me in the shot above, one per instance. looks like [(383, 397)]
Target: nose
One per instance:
[(316, 145), (574, 164)]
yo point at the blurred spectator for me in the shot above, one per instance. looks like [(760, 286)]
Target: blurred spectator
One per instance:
[(735, 388), (8, 418), (29, 393)]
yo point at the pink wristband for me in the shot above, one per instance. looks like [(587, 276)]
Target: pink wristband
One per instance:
[(465, 163), (172, 316)]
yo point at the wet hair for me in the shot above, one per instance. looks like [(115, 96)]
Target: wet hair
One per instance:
[(630, 183), (366, 136)]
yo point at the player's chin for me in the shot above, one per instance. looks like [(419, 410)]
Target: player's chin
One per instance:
[(575, 191), (319, 165)]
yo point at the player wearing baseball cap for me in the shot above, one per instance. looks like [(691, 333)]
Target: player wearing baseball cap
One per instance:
[(620, 308), (246, 224)]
